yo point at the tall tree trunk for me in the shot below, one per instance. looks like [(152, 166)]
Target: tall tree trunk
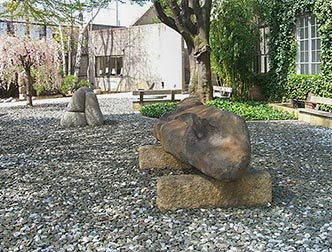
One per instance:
[(10, 25), (63, 53), (26, 18), (29, 82), (78, 57), (191, 18), (82, 29), (70, 48), (200, 75)]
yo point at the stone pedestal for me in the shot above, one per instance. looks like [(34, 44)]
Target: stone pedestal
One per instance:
[(154, 157), (200, 191)]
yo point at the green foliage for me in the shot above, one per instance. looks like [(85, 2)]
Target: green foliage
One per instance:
[(71, 83), (280, 17), (156, 110), (234, 38), (283, 48), (264, 81), (299, 85), (247, 110), (42, 88), (323, 12), (83, 83), (251, 110)]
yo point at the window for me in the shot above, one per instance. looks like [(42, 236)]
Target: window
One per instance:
[(262, 61), (107, 66), (308, 45)]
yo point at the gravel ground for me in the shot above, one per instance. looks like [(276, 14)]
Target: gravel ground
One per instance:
[(80, 189)]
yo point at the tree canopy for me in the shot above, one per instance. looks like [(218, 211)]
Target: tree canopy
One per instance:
[(235, 43)]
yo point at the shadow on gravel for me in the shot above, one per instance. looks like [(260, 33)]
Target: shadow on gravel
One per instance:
[(281, 195)]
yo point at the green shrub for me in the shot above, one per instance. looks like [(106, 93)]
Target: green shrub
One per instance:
[(264, 81), (299, 85), (42, 89), (83, 83), (247, 110), (71, 83), (45, 89), (251, 110), (156, 110)]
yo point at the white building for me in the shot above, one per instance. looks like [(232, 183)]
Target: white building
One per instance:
[(122, 59)]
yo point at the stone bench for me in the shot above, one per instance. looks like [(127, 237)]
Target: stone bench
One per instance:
[(312, 114), (146, 97), (222, 92)]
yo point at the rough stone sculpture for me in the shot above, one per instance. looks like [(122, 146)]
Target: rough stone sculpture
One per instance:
[(82, 110), (215, 142)]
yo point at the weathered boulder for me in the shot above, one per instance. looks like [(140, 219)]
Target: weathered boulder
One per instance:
[(83, 109), (92, 110), (73, 119), (214, 141), (77, 101)]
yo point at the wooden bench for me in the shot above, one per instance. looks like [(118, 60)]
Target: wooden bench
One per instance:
[(311, 112), (146, 97), (222, 92)]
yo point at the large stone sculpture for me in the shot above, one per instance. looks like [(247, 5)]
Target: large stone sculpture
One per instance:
[(82, 110), (214, 141)]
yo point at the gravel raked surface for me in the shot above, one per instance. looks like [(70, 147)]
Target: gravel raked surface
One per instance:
[(80, 189)]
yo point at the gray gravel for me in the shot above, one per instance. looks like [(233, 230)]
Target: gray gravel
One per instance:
[(80, 189)]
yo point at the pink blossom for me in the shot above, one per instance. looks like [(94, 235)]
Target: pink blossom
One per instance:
[(41, 56)]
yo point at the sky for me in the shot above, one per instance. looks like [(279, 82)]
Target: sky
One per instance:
[(128, 13)]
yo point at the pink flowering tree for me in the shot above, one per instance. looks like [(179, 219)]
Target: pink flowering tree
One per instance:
[(37, 59)]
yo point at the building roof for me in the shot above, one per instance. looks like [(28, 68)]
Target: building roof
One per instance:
[(149, 17)]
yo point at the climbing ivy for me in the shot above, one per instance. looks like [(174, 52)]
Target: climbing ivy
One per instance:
[(323, 12), (282, 21)]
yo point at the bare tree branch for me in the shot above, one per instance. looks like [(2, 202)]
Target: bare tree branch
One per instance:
[(187, 13), (163, 17), (206, 12), (198, 13)]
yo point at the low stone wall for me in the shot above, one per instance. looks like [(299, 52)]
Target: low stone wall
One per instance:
[(316, 117)]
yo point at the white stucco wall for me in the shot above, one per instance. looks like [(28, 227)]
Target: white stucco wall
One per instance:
[(151, 53)]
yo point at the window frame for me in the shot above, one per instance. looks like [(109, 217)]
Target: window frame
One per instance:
[(308, 45), (262, 63), (104, 67)]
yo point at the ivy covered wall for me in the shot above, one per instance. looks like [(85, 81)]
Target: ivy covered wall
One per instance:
[(323, 12), (282, 45)]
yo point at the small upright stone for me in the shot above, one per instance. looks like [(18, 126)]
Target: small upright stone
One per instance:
[(83, 109), (73, 119)]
